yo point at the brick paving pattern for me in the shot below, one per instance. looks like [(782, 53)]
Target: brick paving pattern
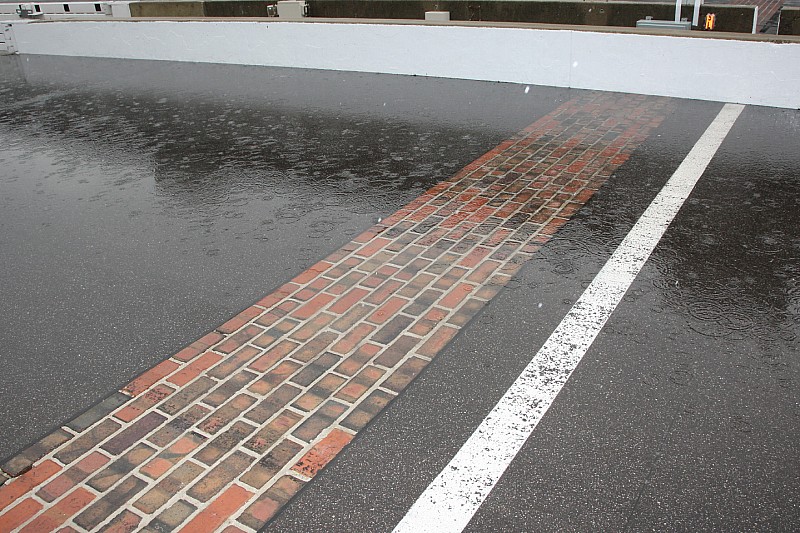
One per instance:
[(222, 434)]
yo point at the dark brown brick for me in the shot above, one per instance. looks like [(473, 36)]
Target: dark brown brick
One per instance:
[(99, 411), (87, 441), (273, 403), (227, 413), (238, 339), (273, 355), (187, 395), (367, 410), (168, 458), (384, 292), (124, 522), (273, 432), (401, 377), (312, 327), (224, 442), (466, 312), (397, 351), (111, 502), (172, 517), (233, 362), (315, 346), (230, 387), (121, 467), (274, 377), (22, 462), (320, 392), (168, 487), (315, 369), (134, 433), (265, 507), (178, 425), (392, 329), (268, 466), (212, 483), (357, 360), (352, 317), (354, 337), (319, 421), (423, 302), (358, 385)]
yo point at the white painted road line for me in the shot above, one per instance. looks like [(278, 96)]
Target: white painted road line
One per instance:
[(451, 500)]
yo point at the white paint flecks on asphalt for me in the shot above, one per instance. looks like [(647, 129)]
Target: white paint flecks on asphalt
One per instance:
[(451, 500)]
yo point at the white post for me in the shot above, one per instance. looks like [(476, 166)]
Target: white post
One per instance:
[(696, 14), (678, 10)]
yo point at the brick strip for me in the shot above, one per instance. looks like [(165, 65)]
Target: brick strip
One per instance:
[(225, 432)]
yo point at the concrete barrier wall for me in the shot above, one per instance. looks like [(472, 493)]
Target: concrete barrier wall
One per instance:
[(751, 72)]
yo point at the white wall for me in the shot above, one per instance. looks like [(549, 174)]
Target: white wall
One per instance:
[(708, 69)]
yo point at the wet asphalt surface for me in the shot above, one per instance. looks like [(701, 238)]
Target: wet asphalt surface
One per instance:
[(684, 415), (141, 204), (144, 203)]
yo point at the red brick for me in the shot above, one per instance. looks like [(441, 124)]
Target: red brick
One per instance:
[(273, 355), (144, 402), (34, 477), (209, 486), (265, 507), (62, 511), (348, 300), (372, 247), (72, 476), (274, 377), (308, 309), (357, 360), (19, 514), (124, 522), (319, 268), (193, 369), (315, 346), (219, 510), (353, 338), (400, 378), (437, 341), (238, 339), (322, 453), (483, 272), (233, 362), (387, 310), (474, 257), (456, 295), (358, 385), (149, 378), (319, 392), (240, 320), (279, 295), (168, 458)]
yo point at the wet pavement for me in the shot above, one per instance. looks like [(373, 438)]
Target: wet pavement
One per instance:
[(683, 415), (143, 204)]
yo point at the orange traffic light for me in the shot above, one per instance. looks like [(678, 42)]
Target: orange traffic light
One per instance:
[(711, 21)]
